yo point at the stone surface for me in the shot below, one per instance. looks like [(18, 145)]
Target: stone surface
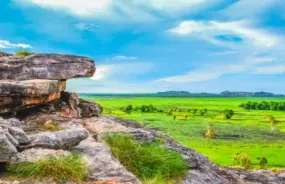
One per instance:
[(7, 148), (2, 54), (89, 109), (99, 125), (45, 66), (102, 164), (12, 104), (19, 135), (35, 154), (64, 139), (30, 88)]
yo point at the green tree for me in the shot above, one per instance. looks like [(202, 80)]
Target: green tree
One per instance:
[(228, 113)]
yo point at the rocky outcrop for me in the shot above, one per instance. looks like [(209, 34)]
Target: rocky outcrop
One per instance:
[(45, 66), (38, 79), (11, 138)]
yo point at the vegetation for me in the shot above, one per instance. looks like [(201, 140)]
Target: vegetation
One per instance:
[(142, 108), (50, 126), (273, 122), (228, 113), (264, 105), (262, 162), (22, 53), (247, 131), (243, 160), (148, 161), (58, 168)]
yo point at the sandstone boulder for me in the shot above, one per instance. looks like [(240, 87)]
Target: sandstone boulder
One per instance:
[(45, 66), (64, 139), (89, 109), (31, 88)]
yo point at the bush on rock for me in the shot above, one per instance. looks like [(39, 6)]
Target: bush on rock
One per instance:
[(148, 161)]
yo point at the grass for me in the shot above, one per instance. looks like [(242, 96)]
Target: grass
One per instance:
[(150, 162), (50, 126), (247, 131), (22, 53), (68, 168)]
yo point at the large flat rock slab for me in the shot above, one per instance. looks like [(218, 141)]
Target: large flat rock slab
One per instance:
[(36, 87), (45, 66)]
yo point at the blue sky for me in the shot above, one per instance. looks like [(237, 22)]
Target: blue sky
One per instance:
[(157, 45)]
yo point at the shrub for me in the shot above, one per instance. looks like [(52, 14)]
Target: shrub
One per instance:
[(202, 112), (128, 109), (262, 161), (170, 112), (50, 126), (195, 111), (22, 53), (147, 160), (242, 159), (174, 117), (228, 113), (63, 168), (210, 132)]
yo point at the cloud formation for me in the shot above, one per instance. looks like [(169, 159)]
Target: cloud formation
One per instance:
[(7, 44), (229, 34), (121, 9)]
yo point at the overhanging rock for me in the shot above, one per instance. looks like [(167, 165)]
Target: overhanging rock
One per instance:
[(45, 66)]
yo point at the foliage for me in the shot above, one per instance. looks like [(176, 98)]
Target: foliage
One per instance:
[(170, 112), (22, 53), (228, 113), (147, 160), (273, 122), (242, 159), (194, 111), (142, 108), (50, 126), (63, 168), (262, 161), (264, 105), (210, 132), (174, 117), (128, 109)]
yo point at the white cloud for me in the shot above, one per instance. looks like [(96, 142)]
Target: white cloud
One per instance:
[(195, 76), (273, 69), (248, 8), (121, 9), (121, 70), (120, 58), (7, 44), (228, 34), (102, 72)]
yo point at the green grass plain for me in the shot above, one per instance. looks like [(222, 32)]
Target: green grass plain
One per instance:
[(248, 131)]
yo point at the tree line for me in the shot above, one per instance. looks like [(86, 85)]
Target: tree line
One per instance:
[(273, 106)]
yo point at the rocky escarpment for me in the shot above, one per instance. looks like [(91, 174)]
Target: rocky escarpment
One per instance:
[(33, 96)]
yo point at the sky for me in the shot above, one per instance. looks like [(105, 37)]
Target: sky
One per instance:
[(144, 46)]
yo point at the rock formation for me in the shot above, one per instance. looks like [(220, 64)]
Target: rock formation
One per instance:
[(33, 96)]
